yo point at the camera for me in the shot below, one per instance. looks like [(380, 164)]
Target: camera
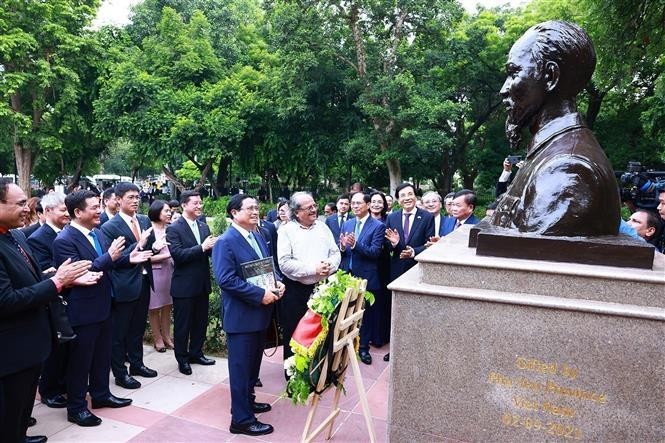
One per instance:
[(514, 159), (640, 186)]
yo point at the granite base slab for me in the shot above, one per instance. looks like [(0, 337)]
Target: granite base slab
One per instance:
[(527, 361)]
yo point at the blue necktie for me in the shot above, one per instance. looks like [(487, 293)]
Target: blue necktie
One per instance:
[(254, 245), (98, 246), (356, 234)]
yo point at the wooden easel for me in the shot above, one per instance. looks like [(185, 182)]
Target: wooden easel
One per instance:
[(346, 329)]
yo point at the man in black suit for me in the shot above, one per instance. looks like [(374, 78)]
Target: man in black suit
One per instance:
[(25, 336), (408, 231), (190, 244), (335, 221), (131, 288), (110, 206), (52, 380), (89, 309)]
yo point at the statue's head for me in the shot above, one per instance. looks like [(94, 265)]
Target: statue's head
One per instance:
[(553, 59)]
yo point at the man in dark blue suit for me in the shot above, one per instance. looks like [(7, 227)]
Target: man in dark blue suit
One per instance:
[(131, 287), (110, 205), (432, 202), (52, 379), (89, 309), (361, 242), (408, 231), (26, 334), (190, 244), (55, 218), (246, 311), (464, 202), (335, 221)]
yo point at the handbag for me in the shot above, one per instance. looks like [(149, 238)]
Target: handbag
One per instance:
[(60, 321), (272, 333)]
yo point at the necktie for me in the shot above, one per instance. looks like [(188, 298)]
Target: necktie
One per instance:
[(457, 224), (135, 229), (195, 231), (356, 234), (254, 244), (341, 221), (21, 251), (98, 246), (406, 227)]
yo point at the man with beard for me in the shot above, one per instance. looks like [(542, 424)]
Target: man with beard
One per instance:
[(566, 187), (307, 253)]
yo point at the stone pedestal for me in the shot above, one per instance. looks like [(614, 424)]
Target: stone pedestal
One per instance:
[(497, 349)]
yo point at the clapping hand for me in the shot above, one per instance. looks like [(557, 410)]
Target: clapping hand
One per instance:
[(407, 253), (160, 243), (116, 248), (393, 236), (69, 271), (209, 242), (136, 256), (88, 279), (144, 237)]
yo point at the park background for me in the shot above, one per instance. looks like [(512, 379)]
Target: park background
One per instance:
[(303, 94)]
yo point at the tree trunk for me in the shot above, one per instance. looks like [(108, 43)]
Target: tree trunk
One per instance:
[(24, 163), (222, 176), (395, 173), (595, 101), (76, 178), (173, 178), (204, 174)]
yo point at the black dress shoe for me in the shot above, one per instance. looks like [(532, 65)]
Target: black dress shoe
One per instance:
[(127, 382), (202, 361), (32, 421), (84, 418), (143, 371), (260, 408), (386, 357), (185, 368), (365, 357), (35, 439), (258, 383), (58, 401), (256, 428), (111, 402)]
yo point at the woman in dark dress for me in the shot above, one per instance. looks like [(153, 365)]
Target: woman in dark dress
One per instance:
[(378, 207)]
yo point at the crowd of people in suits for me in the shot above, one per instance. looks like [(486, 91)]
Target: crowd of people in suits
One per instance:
[(117, 268)]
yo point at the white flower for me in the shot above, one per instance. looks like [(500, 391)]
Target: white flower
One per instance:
[(289, 365)]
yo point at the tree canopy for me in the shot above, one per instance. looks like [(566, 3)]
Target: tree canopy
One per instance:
[(310, 94)]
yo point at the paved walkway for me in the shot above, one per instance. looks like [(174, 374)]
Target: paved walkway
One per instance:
[(178, 408)]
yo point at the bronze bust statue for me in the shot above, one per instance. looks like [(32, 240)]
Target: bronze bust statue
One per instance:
[(567, 186)]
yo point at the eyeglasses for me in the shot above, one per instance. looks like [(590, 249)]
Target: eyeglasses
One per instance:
[(310, 208), (20, 204), (250, 209), (131, 197)]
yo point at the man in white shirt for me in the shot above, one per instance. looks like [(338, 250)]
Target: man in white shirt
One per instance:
[(307, 253)]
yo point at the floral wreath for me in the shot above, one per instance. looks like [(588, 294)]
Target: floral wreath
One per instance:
[(312, 332)]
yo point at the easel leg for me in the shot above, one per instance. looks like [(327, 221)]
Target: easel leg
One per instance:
[(361, 392), (310, 417), (338, 391)]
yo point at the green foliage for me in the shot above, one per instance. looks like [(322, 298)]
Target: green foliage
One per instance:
[(215, 337), (325, 301)]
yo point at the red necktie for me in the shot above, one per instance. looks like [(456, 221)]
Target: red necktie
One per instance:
[(22, 251)]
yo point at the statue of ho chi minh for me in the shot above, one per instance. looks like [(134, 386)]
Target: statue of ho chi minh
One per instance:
[(567, 186)]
